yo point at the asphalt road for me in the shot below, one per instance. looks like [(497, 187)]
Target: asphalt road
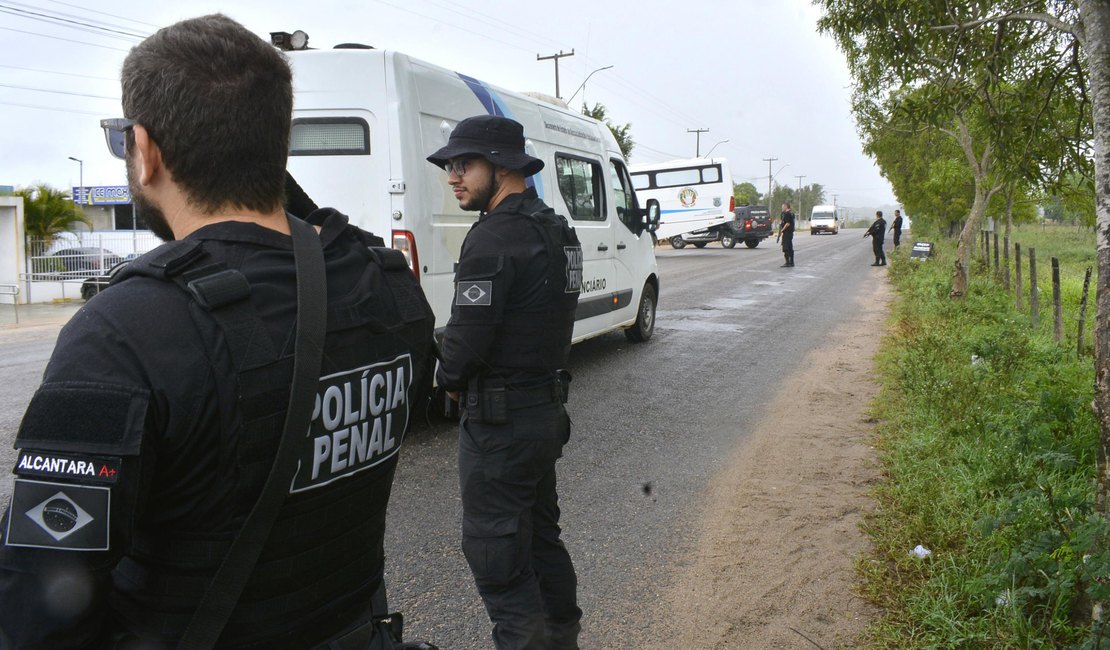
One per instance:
[(731, 326)]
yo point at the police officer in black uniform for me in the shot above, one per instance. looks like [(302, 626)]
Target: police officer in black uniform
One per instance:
[(896, 228), (162, 406), (517, 284), (877, 232), (786, 234)]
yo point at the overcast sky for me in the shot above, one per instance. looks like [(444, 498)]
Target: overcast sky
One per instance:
[(754, 72)]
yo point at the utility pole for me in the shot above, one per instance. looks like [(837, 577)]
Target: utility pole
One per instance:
[(769, 161), (81, 177), (801, 203), (697, 146), (556, 57)]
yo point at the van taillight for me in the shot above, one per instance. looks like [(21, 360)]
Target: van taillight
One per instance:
[(732, 204), (406, 243)]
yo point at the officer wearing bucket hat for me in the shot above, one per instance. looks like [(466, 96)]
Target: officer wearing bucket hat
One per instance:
[(516, 290)]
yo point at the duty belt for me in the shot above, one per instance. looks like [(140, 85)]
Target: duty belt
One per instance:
[(490, 402)]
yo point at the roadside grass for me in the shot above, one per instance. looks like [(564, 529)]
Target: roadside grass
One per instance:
[(988, 449)]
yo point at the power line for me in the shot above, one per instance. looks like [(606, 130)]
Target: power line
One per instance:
[(104, 13), (52, 108), (65, 22), (67, 74), (57, 92), (59, 38)]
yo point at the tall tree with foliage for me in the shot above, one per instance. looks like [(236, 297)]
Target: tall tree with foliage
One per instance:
[(1063, 55), (48, 212), (621, 133), (745, 194)]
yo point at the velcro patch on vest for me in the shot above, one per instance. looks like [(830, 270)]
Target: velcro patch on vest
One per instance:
[(44, 464), (358, 422), (574, 268), (59, 516), (474, 293)]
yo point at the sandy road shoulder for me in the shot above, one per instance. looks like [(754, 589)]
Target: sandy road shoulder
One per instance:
[(774, 567)]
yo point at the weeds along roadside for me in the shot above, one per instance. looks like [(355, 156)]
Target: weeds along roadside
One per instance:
[(988, 447)]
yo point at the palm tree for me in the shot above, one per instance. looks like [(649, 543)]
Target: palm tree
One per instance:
[(48, 212)]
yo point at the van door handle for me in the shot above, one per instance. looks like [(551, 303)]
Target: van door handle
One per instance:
[(602, 247), (621, 246)]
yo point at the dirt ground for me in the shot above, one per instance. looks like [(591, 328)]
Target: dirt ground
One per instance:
[(775, 568)]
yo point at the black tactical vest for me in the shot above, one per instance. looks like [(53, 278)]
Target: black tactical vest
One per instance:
[(541, 341), (324, 558)]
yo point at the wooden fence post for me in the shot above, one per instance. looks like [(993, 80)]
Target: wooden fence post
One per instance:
[(1083, 312), (1034, 299), (1006, 261), (1057, 310), (1017, 279), (996, 253)]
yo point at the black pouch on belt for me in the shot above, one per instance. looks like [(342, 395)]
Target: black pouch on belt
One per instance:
[(494, 405)]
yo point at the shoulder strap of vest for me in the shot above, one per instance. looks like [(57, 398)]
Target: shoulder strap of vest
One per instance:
[(406, 292), (223, 292)]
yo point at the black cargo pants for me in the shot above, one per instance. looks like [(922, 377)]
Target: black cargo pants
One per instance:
[(877, 249), (511, 527)]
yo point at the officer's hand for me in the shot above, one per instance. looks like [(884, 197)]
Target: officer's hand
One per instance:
[(454, 395)]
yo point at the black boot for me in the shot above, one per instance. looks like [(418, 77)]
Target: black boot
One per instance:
[(790, 262)]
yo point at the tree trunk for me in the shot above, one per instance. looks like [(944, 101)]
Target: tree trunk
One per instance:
[(980, 167), (1095, 18)]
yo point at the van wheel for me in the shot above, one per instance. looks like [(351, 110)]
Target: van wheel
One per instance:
[(678, 242), (645, 317), (728, 241), (751, 243), (700, 244)]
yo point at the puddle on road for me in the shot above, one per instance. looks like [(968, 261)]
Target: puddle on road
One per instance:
[(689, 325), (733, 303)]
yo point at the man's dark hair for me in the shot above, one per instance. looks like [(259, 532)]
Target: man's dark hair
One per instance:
[(878, 213), (218, 101)]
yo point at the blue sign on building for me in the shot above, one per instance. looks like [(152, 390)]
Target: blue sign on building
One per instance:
[(102, 195)]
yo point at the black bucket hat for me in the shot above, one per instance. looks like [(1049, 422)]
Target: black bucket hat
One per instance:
[(495, 138)]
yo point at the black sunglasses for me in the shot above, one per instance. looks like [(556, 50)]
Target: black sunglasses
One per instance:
[(115, 133)]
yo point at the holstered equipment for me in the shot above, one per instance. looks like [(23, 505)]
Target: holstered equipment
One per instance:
[(489, 402)]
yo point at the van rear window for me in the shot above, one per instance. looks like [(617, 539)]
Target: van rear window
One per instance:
[(329, 136)]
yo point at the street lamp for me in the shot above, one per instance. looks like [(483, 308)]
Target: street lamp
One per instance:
[(714, 147), (770, 182), (584, 82), (81, 177)]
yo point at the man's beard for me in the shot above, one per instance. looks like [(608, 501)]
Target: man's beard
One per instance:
[(149, 212), (480, 197)]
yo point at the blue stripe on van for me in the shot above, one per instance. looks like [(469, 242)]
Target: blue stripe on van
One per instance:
[(494, 105)]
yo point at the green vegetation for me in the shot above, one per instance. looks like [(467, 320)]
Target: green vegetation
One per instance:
[(988, 445), (48, 212)]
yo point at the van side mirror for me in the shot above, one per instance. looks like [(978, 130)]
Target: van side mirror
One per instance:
[(651, 216)]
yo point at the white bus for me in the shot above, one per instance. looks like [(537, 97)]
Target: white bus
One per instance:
[(694, 195), (363, 122)]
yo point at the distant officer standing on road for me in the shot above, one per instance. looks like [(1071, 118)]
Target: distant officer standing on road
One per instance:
[(161, 411), (877, 232), (896, 227), (786, 233), (516, 290)]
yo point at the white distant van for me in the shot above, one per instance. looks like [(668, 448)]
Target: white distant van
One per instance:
[(365, 119), (693, 194), (824, 218)]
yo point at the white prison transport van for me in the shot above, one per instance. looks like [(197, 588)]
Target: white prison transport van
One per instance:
[(694, 194), (365, 119), (824, 218)]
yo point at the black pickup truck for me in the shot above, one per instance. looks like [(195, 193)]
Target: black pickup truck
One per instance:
[(751, 226)]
